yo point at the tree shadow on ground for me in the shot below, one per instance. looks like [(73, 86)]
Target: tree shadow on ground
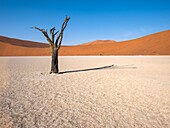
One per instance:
[(100, 68), (130, 66)]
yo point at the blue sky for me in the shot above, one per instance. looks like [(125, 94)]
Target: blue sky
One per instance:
[(90, 19)]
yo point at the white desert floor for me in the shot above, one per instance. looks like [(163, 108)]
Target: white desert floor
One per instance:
[(134, 93)]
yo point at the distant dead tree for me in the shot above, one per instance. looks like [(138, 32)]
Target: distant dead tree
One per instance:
[(55, 43)]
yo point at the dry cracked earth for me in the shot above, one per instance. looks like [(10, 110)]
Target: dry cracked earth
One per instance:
[(134, 93)]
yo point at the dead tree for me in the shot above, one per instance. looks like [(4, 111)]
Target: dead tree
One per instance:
[(55, 43)]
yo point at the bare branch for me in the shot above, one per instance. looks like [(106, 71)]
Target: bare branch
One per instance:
[(52, 34), (56, 33), (60, 36), (46, 35), (52, 30)]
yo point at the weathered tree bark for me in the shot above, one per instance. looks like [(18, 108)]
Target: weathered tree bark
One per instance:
[(54, 62), (55, 44)]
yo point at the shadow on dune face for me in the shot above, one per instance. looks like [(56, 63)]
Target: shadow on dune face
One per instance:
[(99, 68)]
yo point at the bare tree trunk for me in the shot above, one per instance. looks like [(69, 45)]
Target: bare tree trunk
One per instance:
[(54, 61)]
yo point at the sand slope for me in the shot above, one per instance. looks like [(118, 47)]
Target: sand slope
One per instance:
[(23, 43), (99, 42), (154, 44), (135, 93), (7, 49)]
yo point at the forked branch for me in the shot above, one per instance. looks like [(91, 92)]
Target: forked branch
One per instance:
[(60, 36)]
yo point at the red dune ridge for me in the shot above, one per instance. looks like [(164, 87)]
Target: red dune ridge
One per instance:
[(154, 44)]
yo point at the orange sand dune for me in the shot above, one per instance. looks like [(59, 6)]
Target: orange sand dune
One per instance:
[(97, 42), (24, 43), (13, 50), (154, 44)]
